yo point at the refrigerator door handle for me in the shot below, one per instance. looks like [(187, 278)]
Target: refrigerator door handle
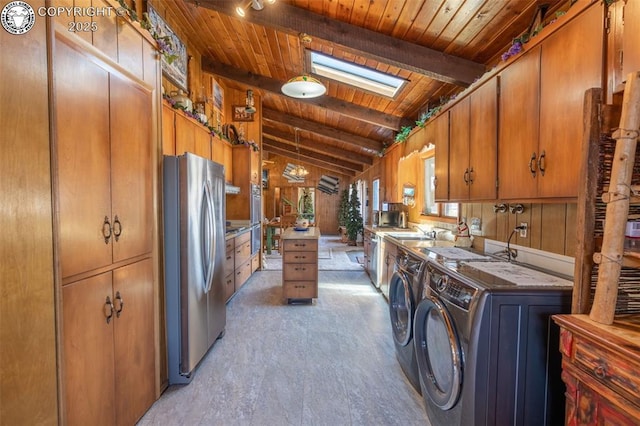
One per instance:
[(213, 235), (206, 237)]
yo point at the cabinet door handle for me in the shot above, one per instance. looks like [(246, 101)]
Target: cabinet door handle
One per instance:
[(532, 163), (119, 303), (117, 228), (465, 176), (471, 176), (106, 230), (541, 162), (435, 181), (108, 309)]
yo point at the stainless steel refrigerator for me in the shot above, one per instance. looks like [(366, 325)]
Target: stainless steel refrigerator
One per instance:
[(194, 254)]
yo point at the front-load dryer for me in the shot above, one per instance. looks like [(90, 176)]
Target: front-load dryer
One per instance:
[(486, 348), (404, 294)]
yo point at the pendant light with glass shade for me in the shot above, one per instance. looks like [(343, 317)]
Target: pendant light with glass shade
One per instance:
[(299, 170), (303, 86)]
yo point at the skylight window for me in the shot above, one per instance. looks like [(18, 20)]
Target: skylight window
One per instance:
[(355, 75)]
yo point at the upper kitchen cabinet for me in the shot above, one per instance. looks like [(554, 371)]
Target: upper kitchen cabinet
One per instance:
[(541, 110), (221, 152), (390, 173), (182, 134), (438, 133), (473, 145), (518, 127), (459, 175), (631, 38), (168, 130), (568, 71), (191, 136), (246, 171)]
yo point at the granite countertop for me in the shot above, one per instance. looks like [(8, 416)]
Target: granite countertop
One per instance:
[(312, 233)]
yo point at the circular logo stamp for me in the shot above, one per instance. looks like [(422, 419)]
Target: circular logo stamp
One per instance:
[(17, 17)]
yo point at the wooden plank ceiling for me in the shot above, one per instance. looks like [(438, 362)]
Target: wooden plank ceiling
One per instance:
[(438, 46)]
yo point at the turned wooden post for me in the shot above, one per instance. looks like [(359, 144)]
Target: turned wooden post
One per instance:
[(617, 199)]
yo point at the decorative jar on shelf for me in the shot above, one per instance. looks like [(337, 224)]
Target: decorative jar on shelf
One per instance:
[(181, 99)]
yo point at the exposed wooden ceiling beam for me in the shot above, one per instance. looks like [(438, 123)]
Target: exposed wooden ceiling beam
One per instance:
[(420, 59), (312, 155), (287, 154), (307, 153), (333, 151), (367, 115), (329, 132)]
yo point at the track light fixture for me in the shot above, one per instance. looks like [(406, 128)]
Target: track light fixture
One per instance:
[(254, 4)]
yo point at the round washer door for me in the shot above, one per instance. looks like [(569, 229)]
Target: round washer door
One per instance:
[(438, 353), (401, 308)]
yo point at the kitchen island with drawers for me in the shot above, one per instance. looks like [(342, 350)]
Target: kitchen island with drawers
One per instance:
[(300, 264)]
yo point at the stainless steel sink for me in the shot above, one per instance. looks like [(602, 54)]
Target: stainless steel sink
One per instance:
[(408, 235), (426, 243)]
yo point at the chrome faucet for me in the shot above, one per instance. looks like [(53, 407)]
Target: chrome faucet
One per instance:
[(428, 234)]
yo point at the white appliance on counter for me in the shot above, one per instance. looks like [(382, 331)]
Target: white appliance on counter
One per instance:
[(194, 246)]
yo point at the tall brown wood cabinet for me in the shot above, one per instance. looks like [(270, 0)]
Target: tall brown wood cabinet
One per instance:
[(104, 151)]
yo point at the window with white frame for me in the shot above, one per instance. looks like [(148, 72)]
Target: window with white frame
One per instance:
[(430, 206), (375, 195)]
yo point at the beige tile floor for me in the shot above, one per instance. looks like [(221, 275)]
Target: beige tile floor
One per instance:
[(329, 363)]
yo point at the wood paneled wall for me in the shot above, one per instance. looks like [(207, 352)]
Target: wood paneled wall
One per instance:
[(326, 205), (28, 365), (551, 227)]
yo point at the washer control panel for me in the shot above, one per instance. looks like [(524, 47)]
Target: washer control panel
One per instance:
[(449, 288)]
